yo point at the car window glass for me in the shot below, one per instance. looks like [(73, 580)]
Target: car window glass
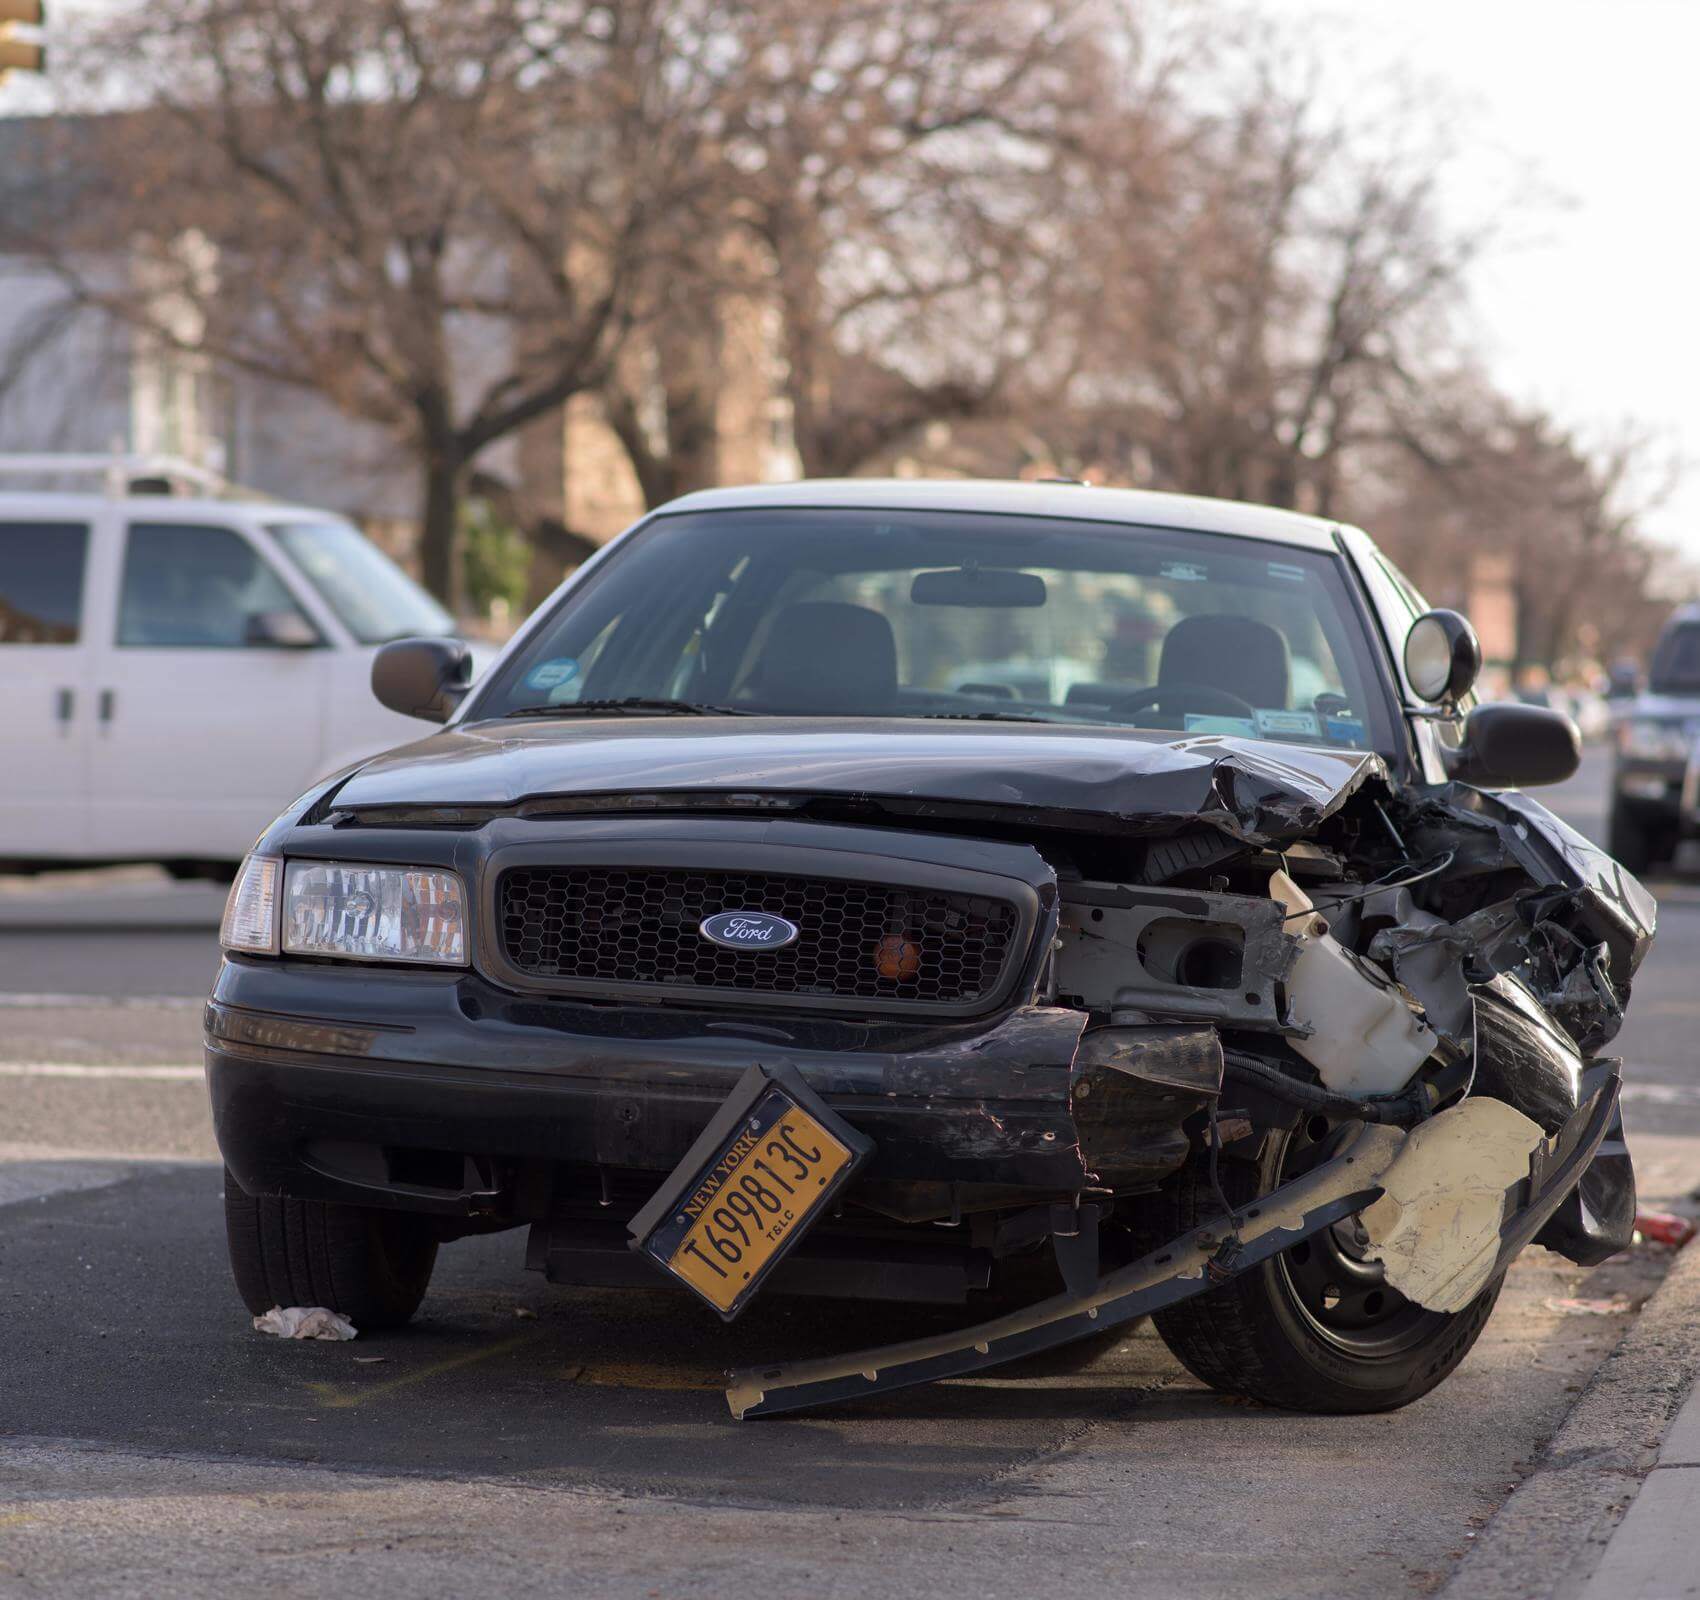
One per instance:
[(949, 614), (375, 599), (41, 581), (1676, 660), (190, 587)]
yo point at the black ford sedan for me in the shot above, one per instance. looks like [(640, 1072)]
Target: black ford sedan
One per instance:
[(1108, 902)]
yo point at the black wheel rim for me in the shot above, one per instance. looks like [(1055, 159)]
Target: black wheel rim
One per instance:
[(1341, 1296)]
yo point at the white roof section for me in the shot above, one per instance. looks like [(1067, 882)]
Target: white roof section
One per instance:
[(1142, 508), (53, 505)]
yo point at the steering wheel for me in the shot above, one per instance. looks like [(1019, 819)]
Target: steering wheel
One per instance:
[(1181, 697)]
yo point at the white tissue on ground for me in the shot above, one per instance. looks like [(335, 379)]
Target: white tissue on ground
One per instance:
[(304, 1322)]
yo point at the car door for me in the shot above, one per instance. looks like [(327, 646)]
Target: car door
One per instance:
[(46, 567), (202, 731)]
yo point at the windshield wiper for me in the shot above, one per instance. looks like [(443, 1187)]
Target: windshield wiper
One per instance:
[(631, 702), (983, 716)]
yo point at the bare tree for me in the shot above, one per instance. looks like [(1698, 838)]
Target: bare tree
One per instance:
[(894, 166), (444, 218)]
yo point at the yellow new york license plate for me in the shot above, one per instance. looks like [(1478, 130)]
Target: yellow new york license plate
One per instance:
[(753, 1199)]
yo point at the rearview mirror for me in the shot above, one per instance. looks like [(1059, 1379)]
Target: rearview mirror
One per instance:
[(977, 586), (1442, 656), (279, 630), (1515, 746), (424, 678)]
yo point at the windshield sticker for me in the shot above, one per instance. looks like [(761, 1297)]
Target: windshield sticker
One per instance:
[(552, 674), (1289, 574), (1183, 572), (1288, 724), (1236, 727), (1345, 730)]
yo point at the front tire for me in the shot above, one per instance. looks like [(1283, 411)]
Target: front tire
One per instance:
[(1316, 1328), (371, 1265)]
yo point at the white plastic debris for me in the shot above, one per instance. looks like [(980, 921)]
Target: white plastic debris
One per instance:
[(304, 1322), (1364, 1037), (1436, 1226)]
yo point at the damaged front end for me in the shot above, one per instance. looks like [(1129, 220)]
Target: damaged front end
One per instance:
[(1412, 987)]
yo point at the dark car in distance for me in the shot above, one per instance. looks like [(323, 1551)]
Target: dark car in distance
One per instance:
[(730, 936), (1654, 803)]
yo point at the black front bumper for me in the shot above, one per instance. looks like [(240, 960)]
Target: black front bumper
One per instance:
[(441, 1093)]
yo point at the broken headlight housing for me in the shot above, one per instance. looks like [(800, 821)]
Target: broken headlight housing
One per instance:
[(362, 913), (1645, 739)]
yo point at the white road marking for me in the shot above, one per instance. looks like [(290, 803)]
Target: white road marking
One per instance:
[(42, 1180), (77, 1069), (100, 1002), (1663, 1094)]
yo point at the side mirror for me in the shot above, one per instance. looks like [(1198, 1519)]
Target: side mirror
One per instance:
[(423, 677), (279, 630), (1442, 656), (1515, 746)]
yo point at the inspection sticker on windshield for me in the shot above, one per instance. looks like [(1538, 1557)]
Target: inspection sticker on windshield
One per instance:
[(1183, 572), (552, 674), (1345, 730), (1288, 724), (768, 1165)]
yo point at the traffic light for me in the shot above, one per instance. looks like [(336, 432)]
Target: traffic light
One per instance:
[(19, 53)]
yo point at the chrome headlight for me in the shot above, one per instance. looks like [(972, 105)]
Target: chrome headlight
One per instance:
[(416, 914), (250, 914), (1641, 739)]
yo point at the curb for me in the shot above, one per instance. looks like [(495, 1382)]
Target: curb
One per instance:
[(1546, 1540)]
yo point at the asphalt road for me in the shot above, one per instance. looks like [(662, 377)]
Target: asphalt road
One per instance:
[(537, 1440)]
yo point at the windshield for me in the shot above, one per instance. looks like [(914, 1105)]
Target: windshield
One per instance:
[(948, 614), (1676, 661), (375, 599)]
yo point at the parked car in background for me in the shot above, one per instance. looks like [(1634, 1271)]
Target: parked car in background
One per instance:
[(719, 946), (1654, 805), (177, 666)]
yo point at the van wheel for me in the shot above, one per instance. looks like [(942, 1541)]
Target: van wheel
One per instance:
[(221, 872), (1316, 1328), (371, 1265)]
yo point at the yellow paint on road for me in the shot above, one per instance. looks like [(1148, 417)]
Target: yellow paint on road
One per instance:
[(642, 1375), (337, 1397)]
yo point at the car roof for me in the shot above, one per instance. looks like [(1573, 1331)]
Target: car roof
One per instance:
[(155, 507), (1133, 507)]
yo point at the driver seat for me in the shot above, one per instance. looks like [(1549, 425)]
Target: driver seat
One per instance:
[(1236, 654)]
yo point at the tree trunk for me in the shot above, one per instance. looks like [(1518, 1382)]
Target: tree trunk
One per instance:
[(439, 526)]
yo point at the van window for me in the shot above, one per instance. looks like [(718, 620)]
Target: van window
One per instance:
[(194, 588), (41, 581), (375, 599)]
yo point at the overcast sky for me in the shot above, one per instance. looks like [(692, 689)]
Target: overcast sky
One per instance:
[(1595, 310)]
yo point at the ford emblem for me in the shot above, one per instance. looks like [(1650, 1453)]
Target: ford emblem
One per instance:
[(749, 930)]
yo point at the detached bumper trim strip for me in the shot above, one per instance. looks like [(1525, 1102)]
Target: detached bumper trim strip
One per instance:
[(1172, 1273)]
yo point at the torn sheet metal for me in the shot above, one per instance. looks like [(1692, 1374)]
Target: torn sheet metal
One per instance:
[(1436, 1228), (1172, 1273), (1132, 1089)]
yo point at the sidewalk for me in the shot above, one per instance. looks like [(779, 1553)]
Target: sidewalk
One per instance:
[(1655, 1552), (1612, 1508)]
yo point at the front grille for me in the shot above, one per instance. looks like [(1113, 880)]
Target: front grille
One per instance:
[(637, 925)]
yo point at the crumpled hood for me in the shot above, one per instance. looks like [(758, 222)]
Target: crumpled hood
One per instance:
[(1147, 782)]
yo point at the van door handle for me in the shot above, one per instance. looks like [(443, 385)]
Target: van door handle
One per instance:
[(108, 701), (65, 705)]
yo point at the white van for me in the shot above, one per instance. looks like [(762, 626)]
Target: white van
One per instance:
[(174, 669)]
